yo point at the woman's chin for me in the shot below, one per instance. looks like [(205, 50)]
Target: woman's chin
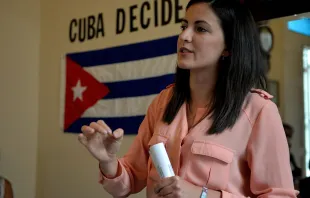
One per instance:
[(183, 65)]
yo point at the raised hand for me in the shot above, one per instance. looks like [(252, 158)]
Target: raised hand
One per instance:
[(100, 141)]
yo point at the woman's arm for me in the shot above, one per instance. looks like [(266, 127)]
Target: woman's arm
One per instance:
[(268, 157), (131, 176)]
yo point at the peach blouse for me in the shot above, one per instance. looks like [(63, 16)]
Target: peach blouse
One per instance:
[(249, 160)]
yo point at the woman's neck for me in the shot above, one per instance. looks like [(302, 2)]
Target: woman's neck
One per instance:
[(202, 83)]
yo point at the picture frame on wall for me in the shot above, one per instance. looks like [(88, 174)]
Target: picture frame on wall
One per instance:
[(273, 89)]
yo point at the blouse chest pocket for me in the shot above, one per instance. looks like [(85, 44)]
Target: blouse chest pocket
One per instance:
[(209, 164)]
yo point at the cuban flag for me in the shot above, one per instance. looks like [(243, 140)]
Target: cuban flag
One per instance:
[(115, 84)]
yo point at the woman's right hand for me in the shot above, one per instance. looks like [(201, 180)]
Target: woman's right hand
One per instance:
[(100, 141)]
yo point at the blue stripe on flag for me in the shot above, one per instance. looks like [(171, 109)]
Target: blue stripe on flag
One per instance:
[(125, 53), (130, 125), (139, 87)]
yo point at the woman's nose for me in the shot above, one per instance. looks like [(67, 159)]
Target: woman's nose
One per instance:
[(187, 35)]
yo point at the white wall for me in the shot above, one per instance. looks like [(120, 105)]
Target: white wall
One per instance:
[(19, 55)]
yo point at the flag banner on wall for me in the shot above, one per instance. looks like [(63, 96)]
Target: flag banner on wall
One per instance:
[(115, 84)]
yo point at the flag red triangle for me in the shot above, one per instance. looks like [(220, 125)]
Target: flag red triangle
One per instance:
[(82, 91)]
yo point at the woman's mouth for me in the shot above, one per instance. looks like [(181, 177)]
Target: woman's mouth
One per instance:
[(184, 50)]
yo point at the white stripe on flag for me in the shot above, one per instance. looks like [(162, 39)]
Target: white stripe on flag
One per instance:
[(120, 107), (134, 69)]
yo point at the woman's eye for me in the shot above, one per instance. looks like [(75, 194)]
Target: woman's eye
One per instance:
[(201, 29), (183, 27)]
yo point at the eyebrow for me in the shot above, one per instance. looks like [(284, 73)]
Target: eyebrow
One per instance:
[(196, 22)]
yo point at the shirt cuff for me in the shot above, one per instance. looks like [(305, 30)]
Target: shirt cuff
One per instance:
[(103, 178)]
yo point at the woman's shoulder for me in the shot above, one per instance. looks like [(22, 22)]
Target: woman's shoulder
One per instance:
[(168, 90), (259, 97), (164, 95), (160, 101), (255, 101)]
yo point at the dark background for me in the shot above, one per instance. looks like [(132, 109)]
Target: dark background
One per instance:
[(269, 9)]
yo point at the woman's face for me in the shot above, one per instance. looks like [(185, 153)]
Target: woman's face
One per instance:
[(201, 42)]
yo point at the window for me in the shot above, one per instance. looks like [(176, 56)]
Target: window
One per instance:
[(306, 79)]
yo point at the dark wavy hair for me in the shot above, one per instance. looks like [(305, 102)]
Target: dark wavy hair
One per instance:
[(237, 74)]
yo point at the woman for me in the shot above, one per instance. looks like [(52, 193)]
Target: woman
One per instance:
[(221, 135)]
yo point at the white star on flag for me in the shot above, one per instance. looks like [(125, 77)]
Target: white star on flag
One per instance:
[(78, 91)]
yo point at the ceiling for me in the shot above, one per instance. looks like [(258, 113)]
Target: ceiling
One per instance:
[(270, 9)]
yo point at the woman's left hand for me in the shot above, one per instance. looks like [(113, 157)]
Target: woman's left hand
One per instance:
[(175, 187)]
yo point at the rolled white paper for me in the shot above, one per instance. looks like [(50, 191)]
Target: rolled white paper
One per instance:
[(161, 160)]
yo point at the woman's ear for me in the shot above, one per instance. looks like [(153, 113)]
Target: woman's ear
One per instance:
[(225, 53)]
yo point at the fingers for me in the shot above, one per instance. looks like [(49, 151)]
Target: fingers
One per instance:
[(105, 127), (118, 134), (87, 131), (82, 139), (165, 182), (171, 195), (101, 127), (166, 191)]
